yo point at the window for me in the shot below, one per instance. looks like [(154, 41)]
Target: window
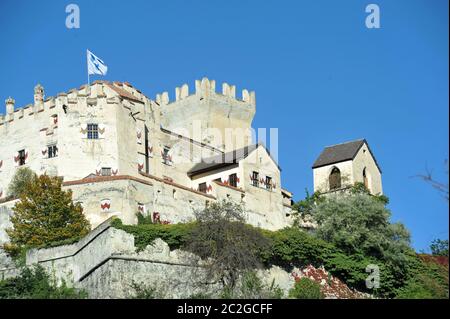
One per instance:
[(22, 157), (335, 178), (232, 180), (269, 183), (202, 187), (52, 151), (255, 179), (365, 178), (92, 131), (106, 171), (218, 180), (166, 156)]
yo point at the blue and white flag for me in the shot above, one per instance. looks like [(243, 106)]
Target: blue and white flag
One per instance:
[(95, 65)]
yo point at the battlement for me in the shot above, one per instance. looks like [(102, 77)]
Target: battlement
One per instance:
[(84, 95), (206, 88)]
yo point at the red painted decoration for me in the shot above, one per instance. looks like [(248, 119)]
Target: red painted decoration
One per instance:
[(140, 167), (105, 206), (156, 217), (114, 172)]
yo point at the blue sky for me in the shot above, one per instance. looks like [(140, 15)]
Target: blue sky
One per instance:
[(319, 74)]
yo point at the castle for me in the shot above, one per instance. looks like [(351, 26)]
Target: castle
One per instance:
[(122, 153)]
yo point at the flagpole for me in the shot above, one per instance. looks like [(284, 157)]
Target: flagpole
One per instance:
[(87, 65)]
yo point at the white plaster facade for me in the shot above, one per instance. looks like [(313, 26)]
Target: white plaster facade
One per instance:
[(139, 158)]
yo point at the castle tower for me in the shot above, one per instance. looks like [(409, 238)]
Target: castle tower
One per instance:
[(218, 119), (340, 166)]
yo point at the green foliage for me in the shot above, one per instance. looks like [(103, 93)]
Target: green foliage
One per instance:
[(250, 286), (360, 188), (45, 214), (305, 206), (20, 181), (439, 247), (35, 283), (144, 220), (294, 247), (227, 245), (306, 288), (175, 235), (359, 224), (426, 280)]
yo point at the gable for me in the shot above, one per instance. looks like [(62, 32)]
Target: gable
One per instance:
[(342, 152)]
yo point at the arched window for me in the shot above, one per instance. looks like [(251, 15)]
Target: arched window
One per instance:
[(335, 178), (366, 178)]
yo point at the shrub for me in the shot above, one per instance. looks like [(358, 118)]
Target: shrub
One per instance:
[(35, 283), (144, 220), (306, 288), (175, 235), (227, 245)]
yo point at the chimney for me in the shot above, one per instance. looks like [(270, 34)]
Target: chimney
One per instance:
[(10, 105), (38, 95)]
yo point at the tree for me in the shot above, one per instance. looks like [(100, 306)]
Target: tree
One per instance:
[(439, 247), (358, 223), (45, 214), (20, 181), (229, 248)]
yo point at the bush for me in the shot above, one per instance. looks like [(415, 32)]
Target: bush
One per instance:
[(306, 288), (228, 247), (144, 220), (35, 283), (175, 235)]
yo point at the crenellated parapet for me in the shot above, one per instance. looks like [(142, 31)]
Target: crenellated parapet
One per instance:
[(112, 92), (205, 89)]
